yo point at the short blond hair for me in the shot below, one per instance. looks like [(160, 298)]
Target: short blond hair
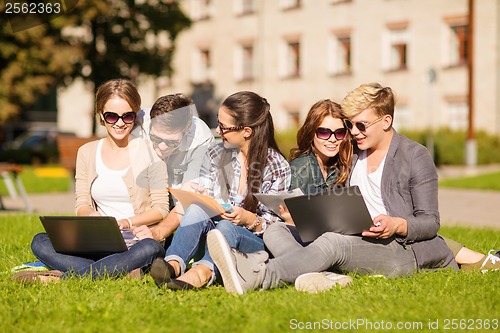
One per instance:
[(369, 95)]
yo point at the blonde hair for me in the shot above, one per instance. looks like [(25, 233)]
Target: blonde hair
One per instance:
[(369, 95)]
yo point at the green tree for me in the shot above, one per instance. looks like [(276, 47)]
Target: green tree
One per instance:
[(128, 37), (96, 40), (31, 62)]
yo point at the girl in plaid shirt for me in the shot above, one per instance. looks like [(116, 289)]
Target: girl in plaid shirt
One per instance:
[(247, 161)]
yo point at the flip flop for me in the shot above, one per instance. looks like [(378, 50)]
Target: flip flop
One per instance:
[(34, 276)]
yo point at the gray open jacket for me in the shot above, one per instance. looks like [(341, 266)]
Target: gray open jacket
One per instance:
[(410, 190)]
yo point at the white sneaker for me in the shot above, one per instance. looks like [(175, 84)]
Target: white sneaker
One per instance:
[(240, 272), (491, 262), (316, 282)]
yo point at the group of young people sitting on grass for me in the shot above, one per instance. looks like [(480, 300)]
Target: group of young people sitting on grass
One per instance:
[(126, 175)]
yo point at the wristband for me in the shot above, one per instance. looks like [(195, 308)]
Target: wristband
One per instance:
[(129, 223), (256, 223)]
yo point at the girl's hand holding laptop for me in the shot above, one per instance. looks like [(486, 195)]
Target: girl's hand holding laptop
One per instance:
[(285, 214)]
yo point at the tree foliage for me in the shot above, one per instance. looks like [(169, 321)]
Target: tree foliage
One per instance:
[(96, 40), (31, 62), (129, 37)]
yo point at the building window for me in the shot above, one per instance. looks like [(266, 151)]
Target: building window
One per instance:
[(458, 113), (290, 4), (290, 59), (244, 61), (396, 58), (455, 41), (244, 7), (201, 9), (340, 54), (202, 66), (459, 40)]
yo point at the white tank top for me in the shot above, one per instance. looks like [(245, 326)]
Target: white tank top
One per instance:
[(109, 190)]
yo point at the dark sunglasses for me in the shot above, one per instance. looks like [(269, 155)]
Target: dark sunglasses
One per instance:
[(169, 143), (224, 129), (324, 133), (361, 126), (112, 118)]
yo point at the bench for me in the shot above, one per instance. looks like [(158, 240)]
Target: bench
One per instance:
[(67, 145), (10, 171)]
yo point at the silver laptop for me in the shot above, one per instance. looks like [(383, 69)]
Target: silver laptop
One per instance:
[(84, 235), (340, 210)]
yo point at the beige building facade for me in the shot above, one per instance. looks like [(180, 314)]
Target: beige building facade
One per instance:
[(296, 52)]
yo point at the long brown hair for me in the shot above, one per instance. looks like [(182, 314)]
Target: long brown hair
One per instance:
[(122, 88), (305, 137), (251, 110)]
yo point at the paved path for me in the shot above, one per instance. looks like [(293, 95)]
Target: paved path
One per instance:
[(457, 207), (43, 204), (469, 207)]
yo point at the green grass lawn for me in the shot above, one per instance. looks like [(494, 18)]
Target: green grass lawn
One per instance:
[(489, 181), (423, 302), (46, 182)]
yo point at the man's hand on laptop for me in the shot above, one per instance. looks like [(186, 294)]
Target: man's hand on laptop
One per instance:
[(384, 226)]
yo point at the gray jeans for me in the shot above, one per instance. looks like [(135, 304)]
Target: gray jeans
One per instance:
[(332, 251)]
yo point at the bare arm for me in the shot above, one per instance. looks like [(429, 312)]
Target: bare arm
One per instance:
[(87, 211), (169, 224)]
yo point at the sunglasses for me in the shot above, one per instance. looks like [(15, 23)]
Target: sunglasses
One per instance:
[(112, 118), (324, 133), (361, 126), (172, 144), (223, 129)]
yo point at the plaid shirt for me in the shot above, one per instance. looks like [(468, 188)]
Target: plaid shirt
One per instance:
[(276, 178)]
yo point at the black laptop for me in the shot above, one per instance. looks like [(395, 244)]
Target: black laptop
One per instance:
[(341, 210), (84, 235)]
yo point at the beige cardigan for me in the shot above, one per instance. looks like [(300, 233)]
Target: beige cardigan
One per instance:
[(146, 180)]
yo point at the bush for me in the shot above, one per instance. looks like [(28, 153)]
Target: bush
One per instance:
[(287, 140), (488, 147), (449, 145)]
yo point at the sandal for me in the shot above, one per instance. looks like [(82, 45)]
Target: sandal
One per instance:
[(162, 272), (179, 285), (34, 276)]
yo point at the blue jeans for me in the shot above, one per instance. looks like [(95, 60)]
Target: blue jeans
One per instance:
[(190, 238), (139, 255)]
